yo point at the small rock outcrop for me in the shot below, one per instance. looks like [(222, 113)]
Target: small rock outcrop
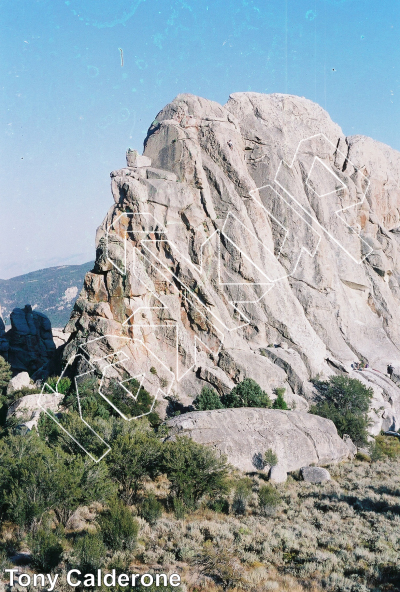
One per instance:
[(31, 345), (278, 474), (18, 382), (28, 411), (245, 434), (60, 338), (315, 474)]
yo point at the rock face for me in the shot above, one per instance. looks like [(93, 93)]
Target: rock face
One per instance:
[(60, 338), (258, 223), (31, 345), (244, 435)]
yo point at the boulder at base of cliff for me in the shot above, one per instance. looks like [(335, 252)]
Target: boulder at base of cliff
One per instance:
[(28, 410), (315, 474), (244, 435), (20, 381), (278, 474)]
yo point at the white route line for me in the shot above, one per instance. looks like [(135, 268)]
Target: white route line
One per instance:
[(90, 361), (337, 212), (188, 294), (47, 386)]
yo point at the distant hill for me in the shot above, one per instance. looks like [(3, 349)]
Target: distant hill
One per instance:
[(52, 291)]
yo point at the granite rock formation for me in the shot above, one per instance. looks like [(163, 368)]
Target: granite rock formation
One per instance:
[(18, 382), (244, 435), (31, 345), (315, 474), (28, 411), (261, 242)]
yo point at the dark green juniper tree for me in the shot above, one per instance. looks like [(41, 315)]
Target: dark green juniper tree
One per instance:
[(280, 402), (246, 394), (207, 400), (193, 470), (346, 402)]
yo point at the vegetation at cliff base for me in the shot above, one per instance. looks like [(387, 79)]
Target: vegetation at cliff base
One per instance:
[(5, 374), (247, 393), (280, 402), (346, 402), (208, 399), (158, 500)]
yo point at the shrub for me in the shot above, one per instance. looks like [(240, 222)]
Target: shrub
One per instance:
[(64, 385), (386, 447), (90, 401), (119, 527), (46, 479), (193, 470), (133, 458), (268, 498), (207, 400), (5, 373), (221, 564), (220, 505), (93, 405), (270, 458), (345, 401), (89, 553), (46, 549), (242, 493), (246, 394), (139, 405), (5, 377), (179, 508), (151, 509), (279, 402)]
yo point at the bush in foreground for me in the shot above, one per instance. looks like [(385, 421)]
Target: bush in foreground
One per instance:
[(5, 373), (151, 509), (46, 549), (89, 553), (243, 491), (119, 527), (193, 470), (268, 499)]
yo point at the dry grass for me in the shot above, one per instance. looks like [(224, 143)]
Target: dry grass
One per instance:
[(343, 535), (340, 536)]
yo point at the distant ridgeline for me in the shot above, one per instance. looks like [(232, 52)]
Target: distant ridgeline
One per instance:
[(53, 291)]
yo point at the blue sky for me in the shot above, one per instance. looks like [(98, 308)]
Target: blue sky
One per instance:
[(70, 110)]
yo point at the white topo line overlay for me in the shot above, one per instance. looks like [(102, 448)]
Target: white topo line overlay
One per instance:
[(337, 212), (144, 253), (91, 360)]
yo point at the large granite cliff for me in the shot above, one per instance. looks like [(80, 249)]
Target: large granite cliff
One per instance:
[(250, 240)]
